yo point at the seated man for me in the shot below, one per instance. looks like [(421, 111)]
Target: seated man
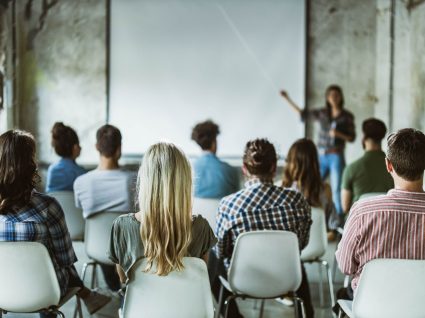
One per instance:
[(108, 188), (213, 177), (261, 205), (26, 215), (389, 226), (367, 174)]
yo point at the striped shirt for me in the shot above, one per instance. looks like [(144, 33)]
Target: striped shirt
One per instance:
[(387, 226), (42, 220), (261, 205)]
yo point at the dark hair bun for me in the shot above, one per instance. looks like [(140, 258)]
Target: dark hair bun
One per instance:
[(63, 139), (259, 157)]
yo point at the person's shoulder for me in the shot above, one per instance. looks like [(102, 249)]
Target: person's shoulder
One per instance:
[(347, 113), (372, 204), (43, 201), (199, 222), (125, 221)]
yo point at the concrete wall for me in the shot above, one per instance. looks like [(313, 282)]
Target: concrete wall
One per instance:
[(62, 65)]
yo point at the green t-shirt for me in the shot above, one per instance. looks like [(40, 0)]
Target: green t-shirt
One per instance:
[(126, 247), (367, 174)]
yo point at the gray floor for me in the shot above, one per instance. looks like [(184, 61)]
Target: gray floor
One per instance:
[(249, 308)]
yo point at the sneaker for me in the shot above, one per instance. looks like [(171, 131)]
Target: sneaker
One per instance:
[(95, 301), (285, 301)]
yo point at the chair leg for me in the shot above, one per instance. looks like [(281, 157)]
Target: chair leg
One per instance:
[(94, 276), (300, 301), (226, 304), (219, 303), (78, 310), (262, 308), (322, 301), (331, 285)]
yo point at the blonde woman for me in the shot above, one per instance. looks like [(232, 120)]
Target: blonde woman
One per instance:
[(164, 231)]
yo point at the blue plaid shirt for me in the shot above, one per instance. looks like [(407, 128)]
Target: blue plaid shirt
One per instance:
[(260, 206), (42, 220)]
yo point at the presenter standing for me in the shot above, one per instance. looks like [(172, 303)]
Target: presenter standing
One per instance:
[(336, 128)]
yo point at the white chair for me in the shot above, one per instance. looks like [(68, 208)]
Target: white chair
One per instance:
[(316, 248), (264, 265), (97, 235), (207, 208), (389, 288), (184, 294), (73, 215), (28, 280), (371, 195)]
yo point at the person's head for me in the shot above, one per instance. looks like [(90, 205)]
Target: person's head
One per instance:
[(259, 159), (18, 169), (374, 130), (165, 200), (334, 96), (65, 141), (108, 142), (406, 154), (302, 167), (205, 135)]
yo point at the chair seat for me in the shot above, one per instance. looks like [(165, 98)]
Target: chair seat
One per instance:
[(346, 306)]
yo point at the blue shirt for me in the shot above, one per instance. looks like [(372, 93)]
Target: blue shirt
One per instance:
[(214, 178), (62, 174)]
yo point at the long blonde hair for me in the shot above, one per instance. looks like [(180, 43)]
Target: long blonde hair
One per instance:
[(165, 199)]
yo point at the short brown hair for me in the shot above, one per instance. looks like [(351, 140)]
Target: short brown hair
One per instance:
[(259, 157), (205, 133), (406, 152), (108, 140), (374, 129), (18, 169), (63, 139)]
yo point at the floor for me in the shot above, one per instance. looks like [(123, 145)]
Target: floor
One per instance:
[(248, 308)]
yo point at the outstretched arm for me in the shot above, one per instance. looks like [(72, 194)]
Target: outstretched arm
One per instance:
[(291, 103)]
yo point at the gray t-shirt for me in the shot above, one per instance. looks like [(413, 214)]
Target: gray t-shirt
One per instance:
[(126, 247), (105, 190)]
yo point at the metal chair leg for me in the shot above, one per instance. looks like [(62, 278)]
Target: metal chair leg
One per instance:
[(331, 285), (322, 301), (226, 304), (219, 303), (94, 276), (262, 308), (300, 301), (78, 310)]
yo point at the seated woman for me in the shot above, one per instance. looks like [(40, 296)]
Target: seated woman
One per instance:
[(27, 215), (302, 173), (164, 231), (62, 174)]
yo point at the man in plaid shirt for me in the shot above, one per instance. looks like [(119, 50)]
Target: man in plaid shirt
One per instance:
[(262, 206)]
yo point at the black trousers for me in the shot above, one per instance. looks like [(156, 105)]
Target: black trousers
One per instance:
[(111, 277), (216, 268)]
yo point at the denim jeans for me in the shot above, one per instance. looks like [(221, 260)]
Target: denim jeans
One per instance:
[(333, 164)]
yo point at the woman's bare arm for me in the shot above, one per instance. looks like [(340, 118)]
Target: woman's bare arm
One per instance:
[(291, 103)]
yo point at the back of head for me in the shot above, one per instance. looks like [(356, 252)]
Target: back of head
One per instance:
[(406, 152), (302, 168), (260, 158), (165, 200), (108, 139), (374, 129), (18, 169), (205, 134), (64, 138)]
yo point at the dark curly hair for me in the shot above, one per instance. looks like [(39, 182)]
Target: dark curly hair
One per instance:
[(108, 140), (63, 139), (18, 169), (259, 158), (205, 133)]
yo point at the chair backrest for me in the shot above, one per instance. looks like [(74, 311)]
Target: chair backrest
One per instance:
[(370, 195), (98, 232), (207, 208), (184, 294), (391, 288), (73, 215), (318, 241), (265, 264), (28, 280)]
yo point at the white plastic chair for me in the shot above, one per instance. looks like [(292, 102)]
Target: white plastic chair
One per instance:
[(73, 215), (28, 280), (264, 265), (207, 208), (316, 248), (184, 294), (97, 235), (389, 288)]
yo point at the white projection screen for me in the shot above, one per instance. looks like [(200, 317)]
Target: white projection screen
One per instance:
[(174, 63)]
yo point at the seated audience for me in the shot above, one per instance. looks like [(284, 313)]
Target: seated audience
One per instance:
[(27, 215), (302, 173), (392, 225), (213, 177), (164, 231), (62, 174), (260, 205), (108, 188), (367, 174)]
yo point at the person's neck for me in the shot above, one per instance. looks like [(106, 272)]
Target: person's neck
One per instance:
[(335, 111), (410, 186), (372, 146), (212, 151), (108, 163)]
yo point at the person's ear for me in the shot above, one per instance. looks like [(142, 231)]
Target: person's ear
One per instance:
[(118, 152), (273, 169), (245, 171), (97, 147), (389, 166)]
